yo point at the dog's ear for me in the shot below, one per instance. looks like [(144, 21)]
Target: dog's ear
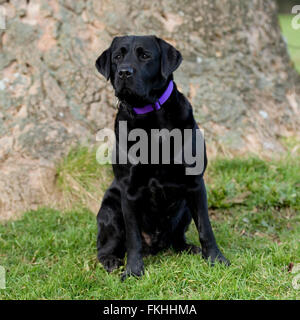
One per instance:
[(103, 63), (170, 58)]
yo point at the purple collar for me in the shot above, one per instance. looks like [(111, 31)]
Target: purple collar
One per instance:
[(158, 103)]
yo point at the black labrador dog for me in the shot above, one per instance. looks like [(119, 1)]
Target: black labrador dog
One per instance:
[(148, 207)]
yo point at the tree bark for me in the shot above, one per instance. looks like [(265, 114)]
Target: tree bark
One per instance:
[(236, 73)]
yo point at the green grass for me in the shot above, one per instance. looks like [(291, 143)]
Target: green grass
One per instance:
[(254, 207), (292, 37), (81, 179)]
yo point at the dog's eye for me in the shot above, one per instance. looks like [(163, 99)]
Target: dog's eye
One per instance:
[(145, 56), (118, 57)]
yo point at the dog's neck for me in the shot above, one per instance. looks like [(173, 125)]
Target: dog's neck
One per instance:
[(158, 103)]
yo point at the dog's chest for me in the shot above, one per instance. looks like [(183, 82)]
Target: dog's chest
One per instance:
[(158, 187), (162, 195)]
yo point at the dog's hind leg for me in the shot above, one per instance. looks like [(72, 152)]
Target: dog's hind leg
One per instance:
[(111, 231)]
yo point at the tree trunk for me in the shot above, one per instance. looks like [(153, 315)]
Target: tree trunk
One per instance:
[(236, 73)]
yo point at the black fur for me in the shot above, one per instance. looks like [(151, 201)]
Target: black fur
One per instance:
[(148, 207)]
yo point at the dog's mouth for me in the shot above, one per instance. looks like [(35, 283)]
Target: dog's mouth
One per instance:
[(130, 96), (125, 92)]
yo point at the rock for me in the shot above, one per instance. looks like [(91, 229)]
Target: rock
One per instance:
[(51, 97)]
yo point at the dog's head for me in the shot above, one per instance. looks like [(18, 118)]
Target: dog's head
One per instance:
[(138, 67)]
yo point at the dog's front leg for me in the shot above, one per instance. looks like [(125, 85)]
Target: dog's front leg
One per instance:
[(198, 205), (135, 265)]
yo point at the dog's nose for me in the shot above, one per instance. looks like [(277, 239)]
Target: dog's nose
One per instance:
[(125, 72)]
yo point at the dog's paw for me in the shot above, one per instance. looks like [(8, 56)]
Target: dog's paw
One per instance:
[(193, 249), (221, 259), (189, 248), (110, 262), (215, 255), (132, 271)]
